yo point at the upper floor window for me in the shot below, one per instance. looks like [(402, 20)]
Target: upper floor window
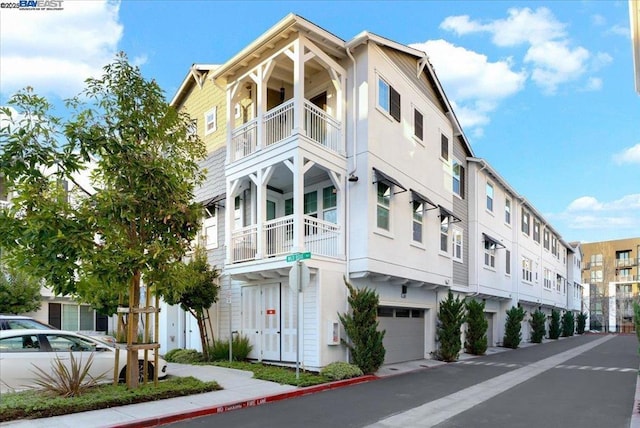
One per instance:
[(418, 213), (329, 203), (536, 231), (547, 278), (210, 228), (456, 240), (507, 262), (554, 246), (525, 222), (507, 211), (388, 99), (490, 197), (382, 210), (527, 269), (444, 233), (545, 239), (458, 179), (211, 121), (444, 147), (418, 124), (596, 260), (489, 253), (311, 204)]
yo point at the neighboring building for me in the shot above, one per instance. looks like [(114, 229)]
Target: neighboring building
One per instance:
[(634, 18), (611, 269), (350, 151)]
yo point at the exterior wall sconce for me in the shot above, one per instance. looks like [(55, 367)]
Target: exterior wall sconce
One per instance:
[(404, 291), (282, 93)]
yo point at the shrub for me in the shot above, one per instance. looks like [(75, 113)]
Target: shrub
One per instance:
[(582, 323), (340, 370), (476, 338), (361, 327), (183, 356), (568, 324), (513, 327), (538, 328), (554, 327), (69, 381), (450, 319), (240, 347)]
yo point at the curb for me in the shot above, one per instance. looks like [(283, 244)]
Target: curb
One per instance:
[(222, 408), (635, 412)]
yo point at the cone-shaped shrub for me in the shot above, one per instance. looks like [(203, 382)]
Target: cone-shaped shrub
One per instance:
[(568, 324), (582, 323), (513, 328), (476, 337), (538, 329), (450, 319), (361, 327), (554, 327)]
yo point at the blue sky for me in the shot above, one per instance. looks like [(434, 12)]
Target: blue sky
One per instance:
[(544, 90)]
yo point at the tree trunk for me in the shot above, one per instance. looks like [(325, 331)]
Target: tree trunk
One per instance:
[(203, 336), (132, 332)]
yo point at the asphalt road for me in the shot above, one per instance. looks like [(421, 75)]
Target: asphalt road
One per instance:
[(590, 388)]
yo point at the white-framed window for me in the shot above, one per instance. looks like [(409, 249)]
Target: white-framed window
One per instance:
[(545, 239), (444, 233), (457, 242), (489, 254), (507, 262), (526, 217), (489, 191), (547, 279), (329, 204), (211, 121), (444, 147), (418, 124), (388, 99), (210, 228), (596, 276), (383, 205), (560, 284), (554, 246), (458, 178), (237, 213), (527, 272), (536, 231), (418, 214), (507, 211)]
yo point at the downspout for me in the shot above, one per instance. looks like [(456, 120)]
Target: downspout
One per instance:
[(484, 166)]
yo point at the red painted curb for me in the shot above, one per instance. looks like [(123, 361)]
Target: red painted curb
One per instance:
[(222, 408)]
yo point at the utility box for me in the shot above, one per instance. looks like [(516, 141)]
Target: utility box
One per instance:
[(333, 333)]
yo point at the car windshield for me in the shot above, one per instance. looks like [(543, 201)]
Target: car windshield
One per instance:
[(26, 323)]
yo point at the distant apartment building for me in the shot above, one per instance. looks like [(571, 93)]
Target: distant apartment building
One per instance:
[(611, 271)]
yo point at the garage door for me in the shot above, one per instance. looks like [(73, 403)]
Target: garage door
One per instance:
[(405, 331)]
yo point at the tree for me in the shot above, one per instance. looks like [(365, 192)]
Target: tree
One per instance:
[(136, 218), (568, 324), (200, 293), (538, 328), (476, 337), (581, 322), (450, 318), (513, 327), (19, 293), (361, 327), (554, 326)]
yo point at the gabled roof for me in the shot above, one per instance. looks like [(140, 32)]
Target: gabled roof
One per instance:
[(195, 75)]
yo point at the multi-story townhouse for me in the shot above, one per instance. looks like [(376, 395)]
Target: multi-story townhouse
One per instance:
[(575, 292), (611, 271)]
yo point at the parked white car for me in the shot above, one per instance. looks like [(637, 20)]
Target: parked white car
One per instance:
[(22, 349)]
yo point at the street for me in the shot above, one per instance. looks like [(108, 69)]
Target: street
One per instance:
[(586, 381)]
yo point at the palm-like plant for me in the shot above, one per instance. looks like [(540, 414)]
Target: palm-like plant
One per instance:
[(71, 381)]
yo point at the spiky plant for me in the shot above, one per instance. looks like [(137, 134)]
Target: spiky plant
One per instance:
[(71, 381)]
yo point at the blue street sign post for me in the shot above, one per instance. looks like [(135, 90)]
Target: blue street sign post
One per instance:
[(299, 278)]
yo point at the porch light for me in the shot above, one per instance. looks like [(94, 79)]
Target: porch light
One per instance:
[(282, 93)]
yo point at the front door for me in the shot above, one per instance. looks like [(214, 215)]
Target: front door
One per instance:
[(271, 322)]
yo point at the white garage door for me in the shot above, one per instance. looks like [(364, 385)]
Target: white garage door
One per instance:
[(405, 331)]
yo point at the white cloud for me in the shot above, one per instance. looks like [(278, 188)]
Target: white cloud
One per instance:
[(621, 216), (55, 51), (593, 84), (598, 20), (473, 83), (629, 155), (620, 30), (550, 54)]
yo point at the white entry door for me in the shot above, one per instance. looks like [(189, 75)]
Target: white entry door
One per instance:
[(271, 322), (250, 319)]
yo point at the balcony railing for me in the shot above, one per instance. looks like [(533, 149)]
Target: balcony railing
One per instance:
[(622, 263), (243, 243), (279, 236), (321, 127), (321, 237), (244, 140), (278, 123)]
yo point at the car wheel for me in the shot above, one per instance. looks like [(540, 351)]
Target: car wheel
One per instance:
[(123, 372)]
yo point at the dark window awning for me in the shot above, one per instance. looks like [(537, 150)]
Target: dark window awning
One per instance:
[(493, 240), (446, 213), (389, 181), (216, 201), (419, 197)]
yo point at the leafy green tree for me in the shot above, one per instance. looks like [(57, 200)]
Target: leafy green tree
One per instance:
[(582, 322), (200, 292), (538, 328), (513, 327), (136, 216), (19, 293), (450, 319), (361, 327), (568, 324), (476, 337), (554, 326)]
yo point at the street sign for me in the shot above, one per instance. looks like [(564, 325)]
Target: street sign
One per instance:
[(299, 276), (298, 256)]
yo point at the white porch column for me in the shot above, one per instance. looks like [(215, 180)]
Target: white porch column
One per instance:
[(298, 202), (298, 87), (260, 204), (229, 209), (261, 103)]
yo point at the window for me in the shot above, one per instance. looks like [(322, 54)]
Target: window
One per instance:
[(311, 204), (596, 260), (596, 276), (418, 124), (237, 213), (388, 99), (76, 317), (444, 147), (210, 229), (458, 179), (382, 212), (211, 121), (507, 211), (507, 262), (527, 274), (554, 246), (457, 244), (490, 197), (444, 232), (545, 239), (489, 254), (525, 222), (560, 284), (329, 203), (536, 231), (547, 279), (418, 213)]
